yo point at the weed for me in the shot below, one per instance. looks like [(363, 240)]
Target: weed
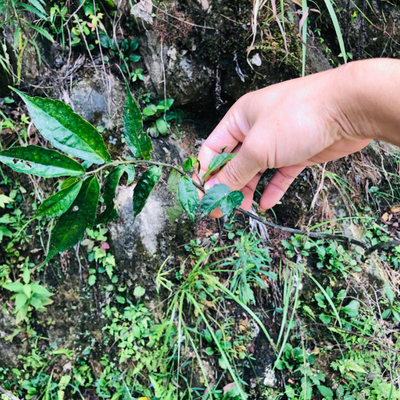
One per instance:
[(28, 295)]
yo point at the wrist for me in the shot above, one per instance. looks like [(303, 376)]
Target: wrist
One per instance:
[(367, 99)]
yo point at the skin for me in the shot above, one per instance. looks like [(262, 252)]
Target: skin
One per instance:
[(304, 121)]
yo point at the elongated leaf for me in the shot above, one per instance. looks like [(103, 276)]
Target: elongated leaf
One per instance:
[(110, 188), (130, 171), (34, 10), (176, 210), (189, 197), (71, 226), (66, 130), (212, 198), (39, 161), (42, 31), (217, 162), (38, 6), (68, 182), (20, 300), (60, 202), (138, 141), (143, 188), (336, 25)]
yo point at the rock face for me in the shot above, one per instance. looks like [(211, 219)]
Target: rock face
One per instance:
[(186, 79), (140, 247), (199, 50), (99, 99)]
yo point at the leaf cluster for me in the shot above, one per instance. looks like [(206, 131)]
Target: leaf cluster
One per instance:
[(84, 159)]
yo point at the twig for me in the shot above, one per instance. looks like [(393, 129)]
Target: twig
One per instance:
[(318, 235), (10, 395), (380, 245)]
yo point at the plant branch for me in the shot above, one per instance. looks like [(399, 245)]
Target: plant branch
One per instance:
[(318, 235)]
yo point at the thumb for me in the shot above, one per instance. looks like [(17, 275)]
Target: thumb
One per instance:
[(238, 172)]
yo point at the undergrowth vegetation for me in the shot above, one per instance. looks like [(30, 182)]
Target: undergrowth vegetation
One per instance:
[(234, 314)]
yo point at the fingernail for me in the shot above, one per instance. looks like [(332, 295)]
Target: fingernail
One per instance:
[(210, 183)]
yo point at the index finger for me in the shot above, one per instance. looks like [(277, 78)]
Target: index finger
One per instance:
[(226, 136)]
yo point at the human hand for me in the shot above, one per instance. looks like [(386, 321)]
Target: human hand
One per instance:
[(287, 126)]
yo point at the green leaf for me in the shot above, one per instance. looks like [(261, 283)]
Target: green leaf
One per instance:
[(130, 170), (92, 280), (138, 141), (386, 313), (60, 202), (217, 162), (162, 126), (212, 198), (110, 188), (66, 130), (176, 210), (34, 10), (36, 160), (40, 290), (209, 351), (139, 292), (150, 110), (20, 300), (228, 204), (42, 31), (71, 226), (190, 163), (143, 188), (14, 286), (223, 363), (22, 313), (326, 319), (352, 308), (4, 200), (165, 105), (188, 197), (220, 195), (68, 182), (389, 293), (326, 392)]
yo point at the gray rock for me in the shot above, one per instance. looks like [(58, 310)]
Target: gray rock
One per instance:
[(140, 247), (143, 11), (99, 99), (186, 79)]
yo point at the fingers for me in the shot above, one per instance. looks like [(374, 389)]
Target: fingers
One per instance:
[(230, 132), (249, 161), (279, 184)]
